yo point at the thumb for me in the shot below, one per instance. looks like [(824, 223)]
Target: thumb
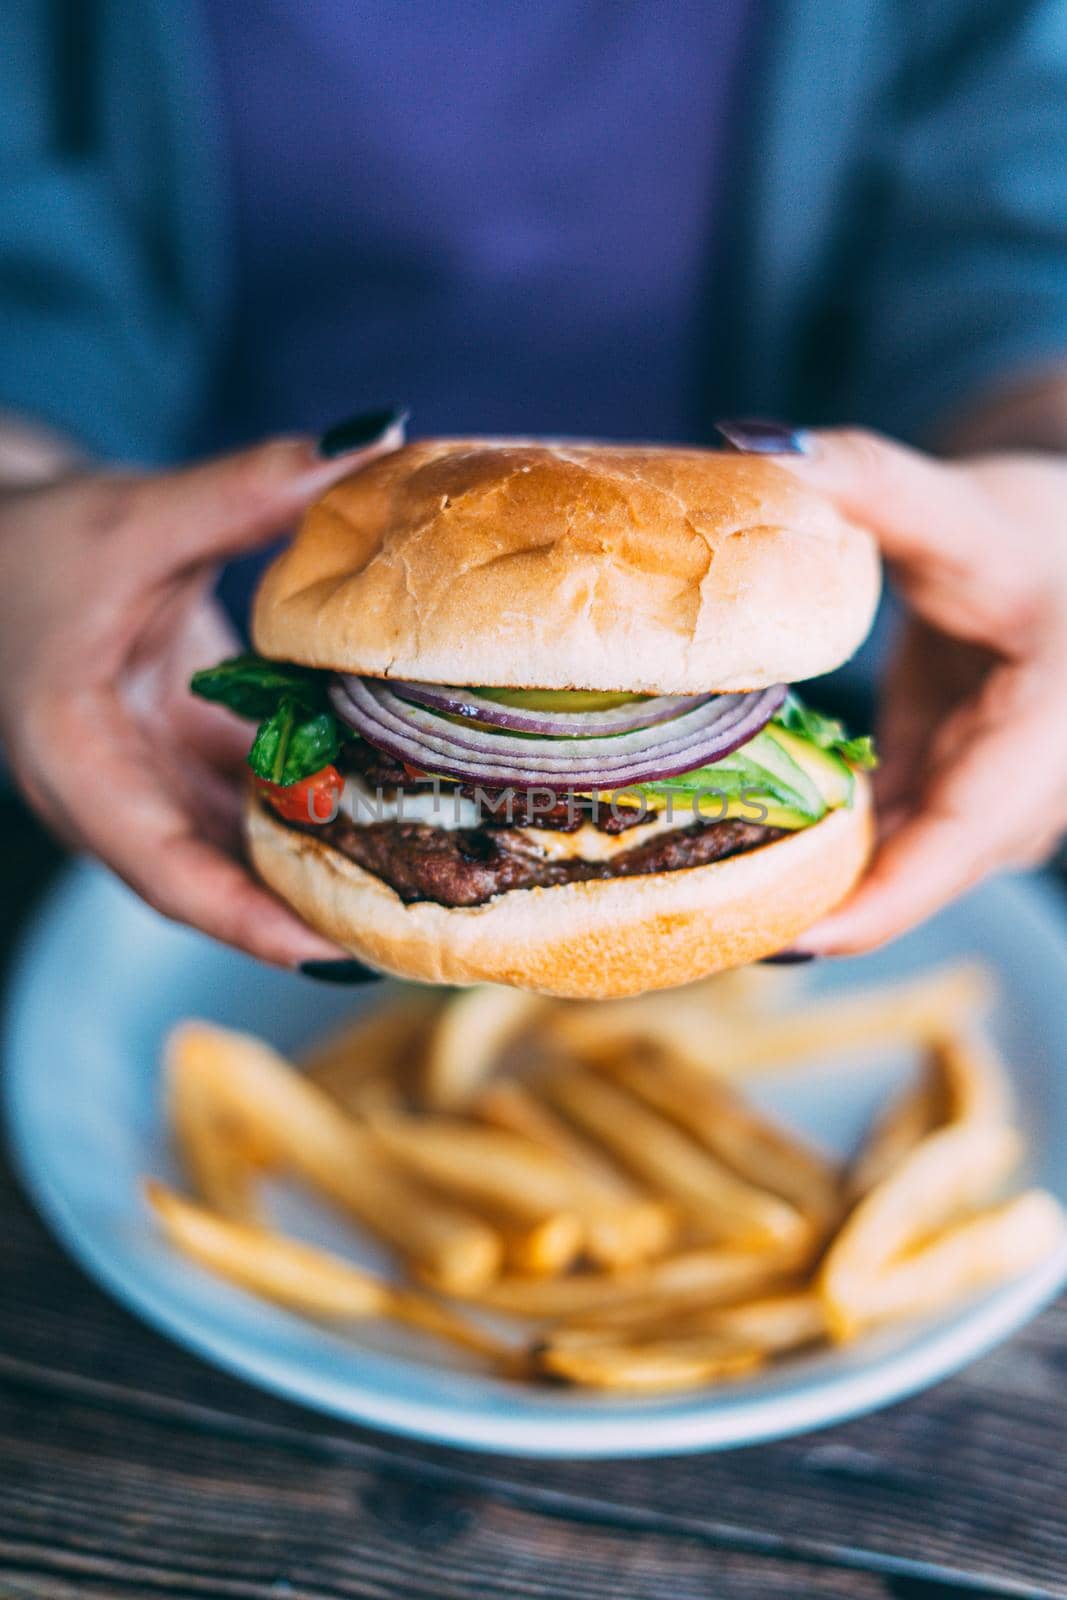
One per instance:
[(222, 508), (918, 507)]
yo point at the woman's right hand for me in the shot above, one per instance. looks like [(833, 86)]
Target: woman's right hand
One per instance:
[(105, 610), (974, 774)]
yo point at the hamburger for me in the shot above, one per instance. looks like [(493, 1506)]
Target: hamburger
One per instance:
[(524, 713)]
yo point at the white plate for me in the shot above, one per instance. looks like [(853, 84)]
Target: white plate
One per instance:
[(101, 979)]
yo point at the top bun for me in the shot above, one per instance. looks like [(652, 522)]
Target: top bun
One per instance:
[(571, 566)]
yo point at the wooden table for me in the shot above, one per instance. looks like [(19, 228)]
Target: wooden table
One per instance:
[(129, 1469)]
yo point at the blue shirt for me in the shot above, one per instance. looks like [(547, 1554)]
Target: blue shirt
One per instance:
[(897, 225), (501, 215), (896, 241)]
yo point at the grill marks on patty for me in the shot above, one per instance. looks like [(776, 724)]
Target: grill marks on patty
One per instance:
[(468, 866)]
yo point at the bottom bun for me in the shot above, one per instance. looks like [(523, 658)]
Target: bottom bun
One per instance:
[(598, 939)]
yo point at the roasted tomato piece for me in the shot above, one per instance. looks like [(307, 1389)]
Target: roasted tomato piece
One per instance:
[(313, 799)]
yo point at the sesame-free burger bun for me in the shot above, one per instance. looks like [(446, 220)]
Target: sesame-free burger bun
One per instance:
[(535, 565), (600, 938)]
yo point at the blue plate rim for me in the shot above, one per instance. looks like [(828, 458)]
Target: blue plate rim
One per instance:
[(702, 1426)]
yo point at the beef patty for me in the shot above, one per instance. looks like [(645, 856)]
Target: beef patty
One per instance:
[(468, 866)]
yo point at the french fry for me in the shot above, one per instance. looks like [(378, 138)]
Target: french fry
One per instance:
[(510, 1177), (214, 1165), (622, 1233), (914, 1012), (974, 1078), (385, 1040), (544, 1249), (751, 1145), (622, 1224), (595, 1033), (895, 1132), (906, 1013), (964, 1080), (190, 1078), (211, 1149), (529, 1201), (510, 1104), (705, 1008), (740, 990), (947, 1174), (647, 1368), (256, 1258), (623, 1135), (301, 1277), (369, 1099), (310, 1136), (487, 1166), (1001, 1243), (470, 1033), (407, 1305), (695, 1277), (771, 1324), (718, 1203), (551, 1213)]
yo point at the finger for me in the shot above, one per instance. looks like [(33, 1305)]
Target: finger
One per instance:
[(995, 791), (155, 686), (935, 523), (211, 796), (110, 797), (223, 508), (906, 722), (927, 678), (215, 734), (918, 506)]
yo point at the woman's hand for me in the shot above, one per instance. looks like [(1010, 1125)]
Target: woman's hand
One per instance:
[(974, 727), (105, 610)]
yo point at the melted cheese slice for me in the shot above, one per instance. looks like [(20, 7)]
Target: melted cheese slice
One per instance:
[(591, 844), (445, 809), (450, 809)]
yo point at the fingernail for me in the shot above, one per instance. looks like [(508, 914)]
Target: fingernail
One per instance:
[(757, 436), (357, 432), (339, 971), (788, 958)]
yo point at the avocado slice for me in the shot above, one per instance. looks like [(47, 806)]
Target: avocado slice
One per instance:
[(754, 803), (760, 781), (766, 754), (826, 770)]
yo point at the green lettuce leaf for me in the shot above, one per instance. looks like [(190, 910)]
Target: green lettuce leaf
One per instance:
[(253, 687), (291, 745), (298, 733), (827, 733)]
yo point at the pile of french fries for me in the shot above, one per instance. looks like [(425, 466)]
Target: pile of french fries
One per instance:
[(580, 1193)]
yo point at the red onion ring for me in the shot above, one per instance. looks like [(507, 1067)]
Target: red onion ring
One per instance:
[(473, 755), (550, 755), (577, 724)]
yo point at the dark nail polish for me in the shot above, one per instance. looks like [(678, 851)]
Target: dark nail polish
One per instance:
[(339, 971), (357, 432), (787, 958), (756, 436)]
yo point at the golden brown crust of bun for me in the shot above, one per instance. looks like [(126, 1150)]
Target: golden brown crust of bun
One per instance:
[(562, 566), (594, 940)]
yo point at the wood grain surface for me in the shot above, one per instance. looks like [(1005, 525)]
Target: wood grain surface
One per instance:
[(129, 1468)]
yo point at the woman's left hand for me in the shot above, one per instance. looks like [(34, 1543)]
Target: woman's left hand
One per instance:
[(973, 735), (105, 609)]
